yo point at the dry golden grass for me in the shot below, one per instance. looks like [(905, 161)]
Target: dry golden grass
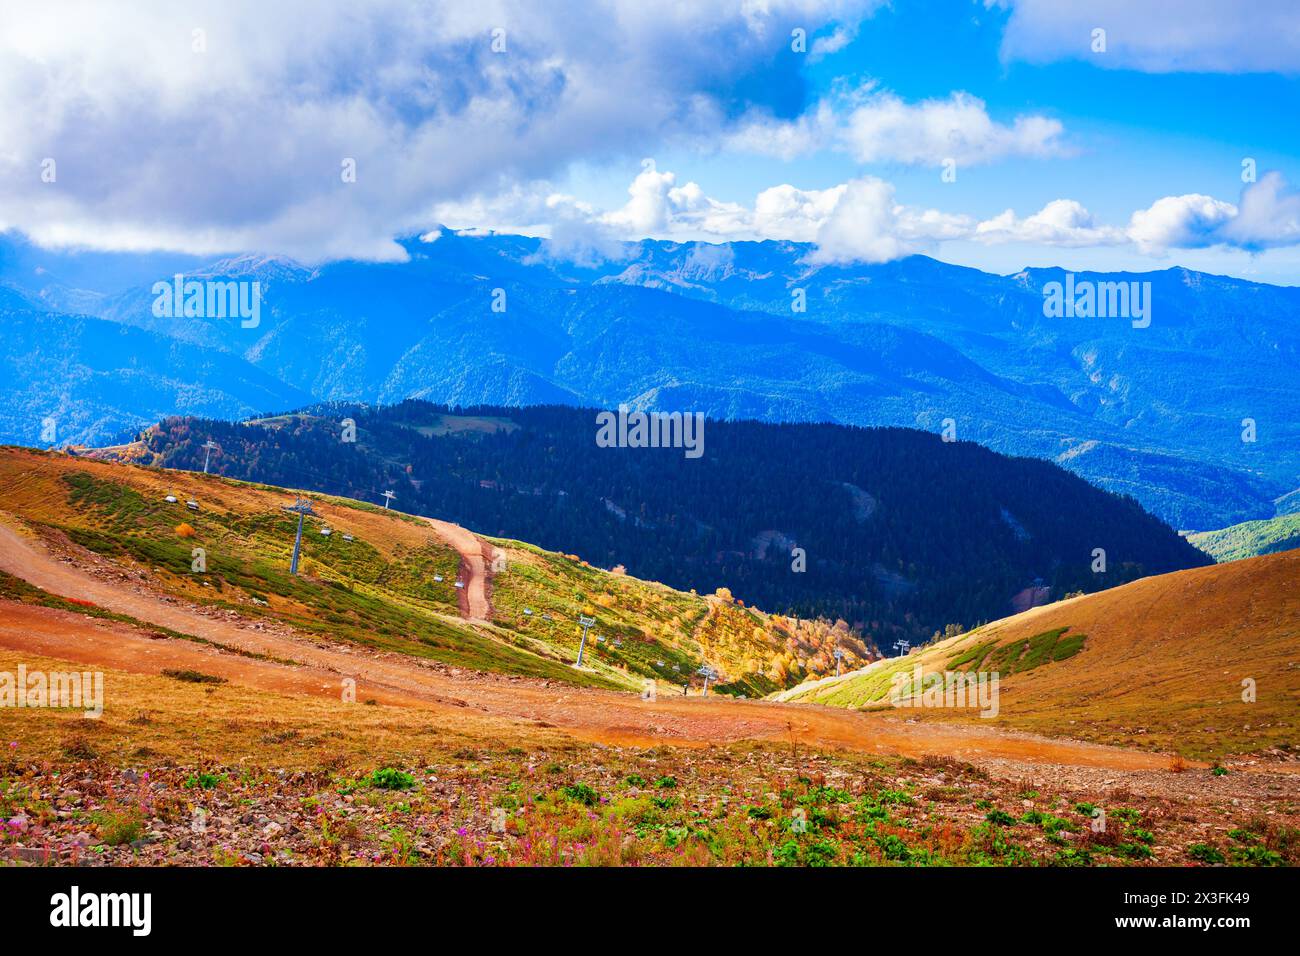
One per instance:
[(31, 486), (159, 720), (1164, 662)]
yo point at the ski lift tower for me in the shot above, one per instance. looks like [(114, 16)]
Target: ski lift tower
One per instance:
[(209, 445), (388, 499), (902, 647), (839, 656), (302, 507), (587, 623), (708, 673)]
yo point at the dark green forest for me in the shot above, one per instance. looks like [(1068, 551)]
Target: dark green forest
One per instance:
[(902, 533)]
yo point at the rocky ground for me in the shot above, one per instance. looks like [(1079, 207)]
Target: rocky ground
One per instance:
[(742, 804)]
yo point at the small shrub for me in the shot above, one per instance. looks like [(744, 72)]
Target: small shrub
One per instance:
[(1071, 856), (120, 828), (581, 793), (388, 778), (1203, 853), (1134, 851), (1256, 856), (204, 780)]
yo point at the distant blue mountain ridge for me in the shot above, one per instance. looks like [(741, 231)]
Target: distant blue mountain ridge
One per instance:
[(1155, 412)]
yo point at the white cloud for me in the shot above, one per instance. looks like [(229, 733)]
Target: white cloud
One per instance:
[(1269, 216), (862, 221), (885, 128), (1062, 222), (864, 226), (784, 212), (648, 205), (1157, 36), (875, 126), (855, 221), (763, 135), (657, 206), (534, 210), (239, 147), (1192, 221), (931, 225), (826, 46)]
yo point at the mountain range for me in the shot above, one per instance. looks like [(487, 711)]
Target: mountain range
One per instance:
[(1195, 416)]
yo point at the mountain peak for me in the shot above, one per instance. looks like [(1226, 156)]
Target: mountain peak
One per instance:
[(259, 266)]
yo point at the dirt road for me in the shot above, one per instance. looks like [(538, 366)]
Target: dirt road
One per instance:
[(474, 561)]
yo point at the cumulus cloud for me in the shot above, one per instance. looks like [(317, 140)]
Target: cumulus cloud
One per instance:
[(764, 135), (867, 225), (1192, 221), (1157, 36), (1269, 216), (657, 206), (875, 126), (1062, 222), (862, 221), (784, 212), (859, 221), (221, 126), (1266, 217), (885, 128)]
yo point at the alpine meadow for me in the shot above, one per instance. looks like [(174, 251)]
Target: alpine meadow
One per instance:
[(475, 443)]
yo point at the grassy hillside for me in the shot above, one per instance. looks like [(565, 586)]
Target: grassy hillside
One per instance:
[(392, 586), (1158, 664), (1249, 539), (654, 631), (894, 531)]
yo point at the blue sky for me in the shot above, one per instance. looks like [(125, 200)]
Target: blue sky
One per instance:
[(1135, 137), (1139, 135), (221, 127)]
